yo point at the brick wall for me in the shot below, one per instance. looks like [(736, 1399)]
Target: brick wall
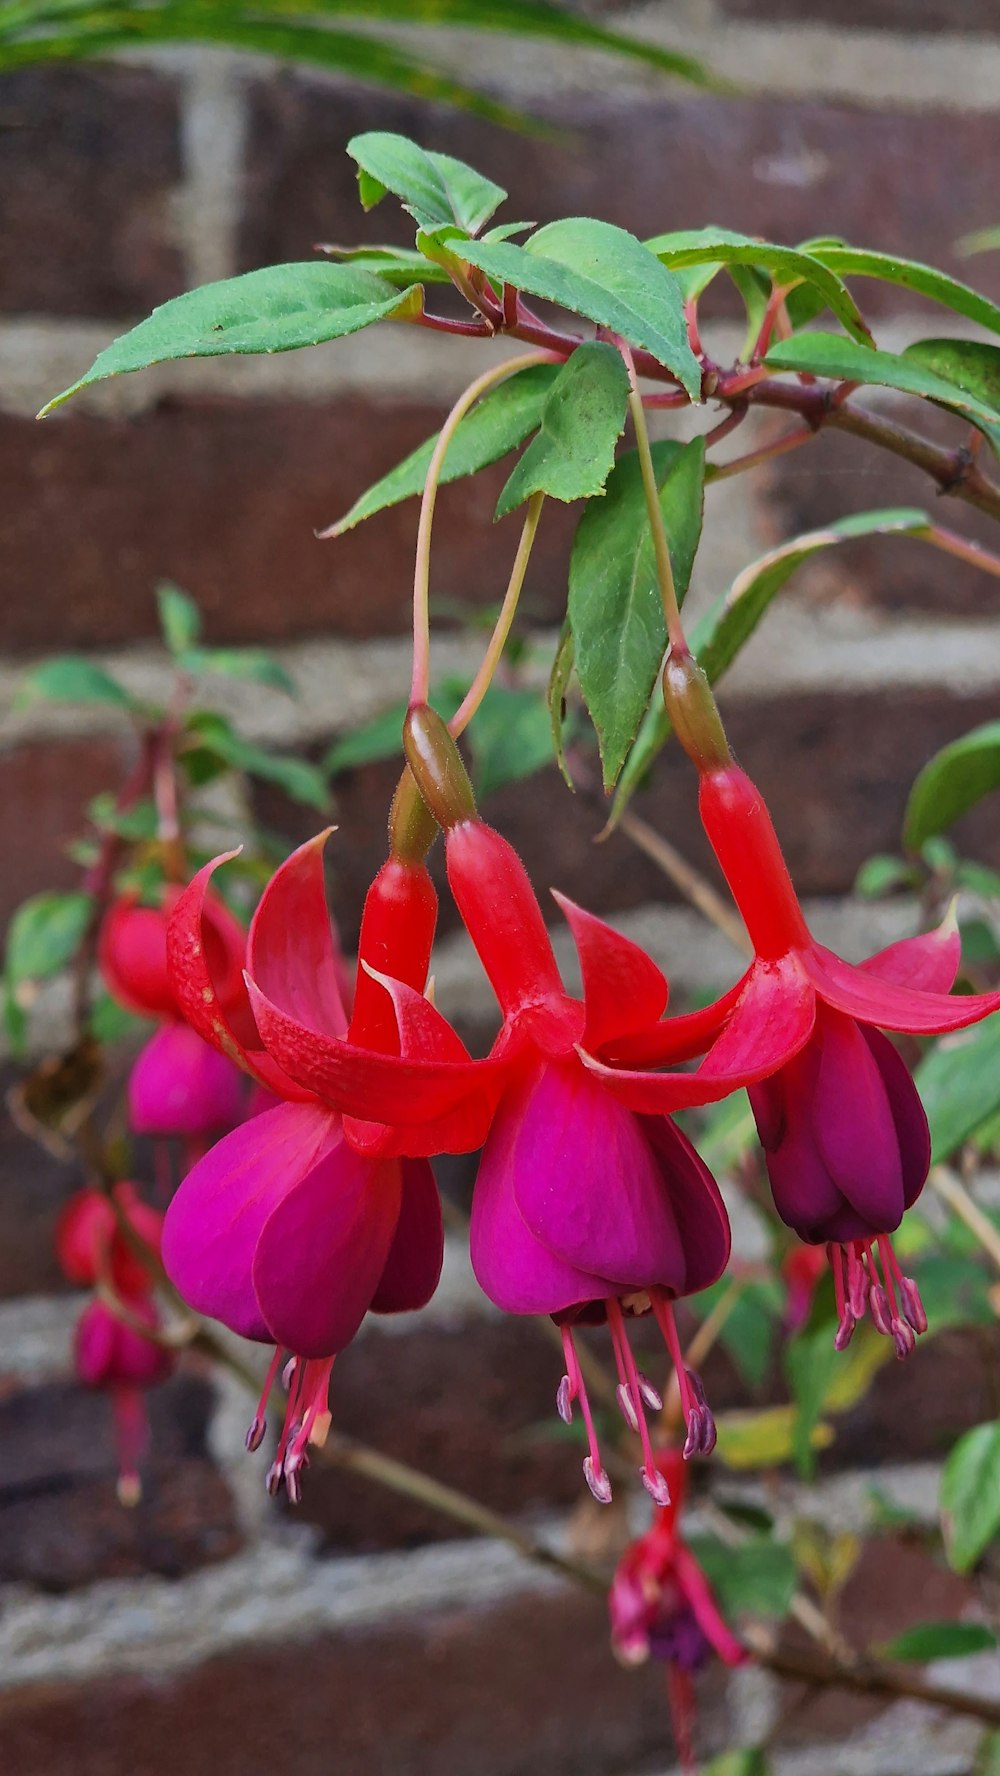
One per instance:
[(206, 1631)]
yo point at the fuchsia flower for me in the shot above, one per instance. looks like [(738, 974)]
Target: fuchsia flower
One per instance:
[(661, 1606), (179, 1085), (582, 1210), (110, 1354), (842, 1126), (283, 1231)]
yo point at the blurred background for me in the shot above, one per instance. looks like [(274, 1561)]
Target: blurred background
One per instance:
[(204, 1631)]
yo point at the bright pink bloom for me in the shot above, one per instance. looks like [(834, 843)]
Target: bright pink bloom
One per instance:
[(116, 1358), (132, 953), (842, 1127), (181, 1086), (661, 1606), (283, 1231), (583, 1210)]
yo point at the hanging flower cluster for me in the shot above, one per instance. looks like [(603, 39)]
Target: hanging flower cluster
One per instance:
[(590, 1204)]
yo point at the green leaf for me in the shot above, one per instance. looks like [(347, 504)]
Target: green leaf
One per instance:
[(719, 635), (605, 274), (755, 1578), (970, 365), (785, 265), (279, 308), (970, 1496), (750, 1331), (252, 663), (581, 422), (910, 274), (382, 736), (138, 823), (510, 738), (882, 874), (954, 780), (563, 667), (938, 1640), (614, 597), (497, 424), (180, 618), (301, 781), (763, 1437), (434, 188), (827, 354), (401, 266), (954, 1290), (749, 1760), (71, 679), (44, 933), (959, 1086), (810, 1359)]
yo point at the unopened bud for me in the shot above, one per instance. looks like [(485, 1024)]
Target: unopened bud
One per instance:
[(688, 699), (412, 826), (437, 767)]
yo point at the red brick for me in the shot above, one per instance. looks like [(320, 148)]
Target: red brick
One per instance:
[(527, 1684), (89, 158), (47, 785), (902, 181), (225, 497), (836, 769), (913, 16), (60, 1522)]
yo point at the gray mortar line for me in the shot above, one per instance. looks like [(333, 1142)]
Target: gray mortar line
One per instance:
[(209, 201)]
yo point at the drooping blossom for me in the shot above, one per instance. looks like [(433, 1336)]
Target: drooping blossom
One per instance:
[(582, 1209), (179, 1085), (110, 1351), (661, 1607), (843, 1130), (283, 1231)]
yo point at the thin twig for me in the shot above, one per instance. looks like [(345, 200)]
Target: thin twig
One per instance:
[(691, 883), (953, 1192), (866, 1678)]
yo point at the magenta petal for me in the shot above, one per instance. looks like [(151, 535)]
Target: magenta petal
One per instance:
[(514, 1269), (928, 962), (323, 1248), (854, 1125), (623, 989), (212, 1226), (290, 949), (805, 1195), (589, 1185), (181, 1086), (862, 995), (413, 1267), (698, 1208), (909, 1116)]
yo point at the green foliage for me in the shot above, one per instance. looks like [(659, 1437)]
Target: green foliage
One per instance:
[(180, 618), (749, 1760), (319, 32), (614, 598), (604, 274), (938, 1640), (68, 678), (953, 781), (970, 365), (497, 423), (754, 1578), (827, 354), (908, 274), (252, 663), (44, 934), (433, 188), (279, 308), (509, 738), (970, 1496), (580, 424), (712, 248), (215, 737), (959, 1084)]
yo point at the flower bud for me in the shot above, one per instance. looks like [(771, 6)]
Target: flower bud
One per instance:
[(412, 826), (687, 696), (437, 766)]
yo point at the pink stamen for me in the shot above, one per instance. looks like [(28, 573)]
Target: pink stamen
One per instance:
[(572, 1388), (652, 1479), (258, 1426), (698, 1418), (845, 1318)]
